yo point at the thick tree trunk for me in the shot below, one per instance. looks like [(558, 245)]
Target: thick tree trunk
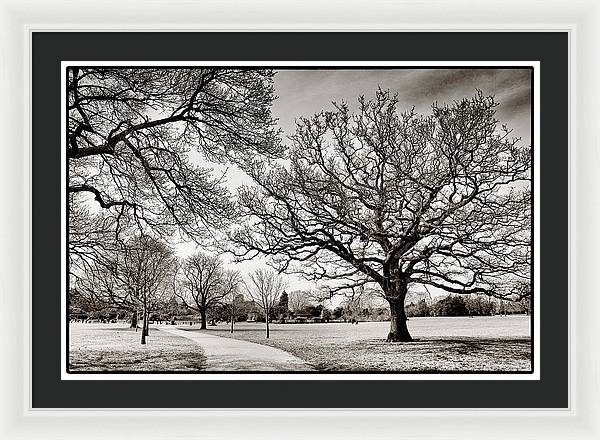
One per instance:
[(147, 325), (203, 319), (398, 329)]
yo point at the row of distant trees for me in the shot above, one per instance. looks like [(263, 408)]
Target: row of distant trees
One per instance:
[(452, 305), (211, 294), (141, 277), (456, 305)]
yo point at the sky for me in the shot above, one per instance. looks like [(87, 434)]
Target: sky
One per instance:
[(305, 92)]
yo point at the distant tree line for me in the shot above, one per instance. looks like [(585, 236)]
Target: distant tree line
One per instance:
[(245, 309), (457, 305)]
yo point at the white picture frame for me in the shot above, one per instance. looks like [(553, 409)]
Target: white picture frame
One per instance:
[(581, 19)]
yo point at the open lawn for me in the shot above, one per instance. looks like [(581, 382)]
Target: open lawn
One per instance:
[(117, 348), (499, 343), (442, 344)]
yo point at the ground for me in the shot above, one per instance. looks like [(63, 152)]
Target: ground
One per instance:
[(228, 354), (117, 348), (499, 343), (441, 344)]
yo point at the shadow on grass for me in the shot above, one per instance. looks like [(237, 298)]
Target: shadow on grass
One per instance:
[(426, 354)]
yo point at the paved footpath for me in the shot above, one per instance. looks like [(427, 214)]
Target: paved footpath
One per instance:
[(226, 354)]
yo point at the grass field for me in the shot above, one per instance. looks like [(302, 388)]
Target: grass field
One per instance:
[(442, 344), (117, 348)]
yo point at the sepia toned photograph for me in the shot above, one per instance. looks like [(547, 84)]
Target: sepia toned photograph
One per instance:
[(299, 219)]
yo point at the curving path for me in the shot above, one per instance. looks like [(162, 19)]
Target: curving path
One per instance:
[(225, 354)]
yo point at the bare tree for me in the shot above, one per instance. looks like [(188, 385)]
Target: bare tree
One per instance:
[(265, 287), (359, 298), (391, 200), (298, 300), (133, 132), (205, 283), (89, 238), (100, 286), (135, 277), (234, 303), (234, 300), (145, 266)]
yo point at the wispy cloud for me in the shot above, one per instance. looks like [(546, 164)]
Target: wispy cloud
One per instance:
[(305, 92)]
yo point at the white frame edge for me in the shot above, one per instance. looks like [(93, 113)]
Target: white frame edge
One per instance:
[(581, 18)]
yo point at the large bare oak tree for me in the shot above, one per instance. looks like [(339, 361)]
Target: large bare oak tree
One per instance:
[(392, 200)]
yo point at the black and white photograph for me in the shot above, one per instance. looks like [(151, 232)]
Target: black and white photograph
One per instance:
[(299, 219)]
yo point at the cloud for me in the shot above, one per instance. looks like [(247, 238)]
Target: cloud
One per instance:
[(305, 92)]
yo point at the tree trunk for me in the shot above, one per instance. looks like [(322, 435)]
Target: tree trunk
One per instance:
[(144, 327), (203, 319), (146, 324), (134, 320), (398, 329), (232, 314), (267, 320)]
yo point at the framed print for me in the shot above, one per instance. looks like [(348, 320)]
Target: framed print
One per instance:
[(329, 227), (296, 285)]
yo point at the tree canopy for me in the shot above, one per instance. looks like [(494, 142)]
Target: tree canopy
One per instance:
[(134, 135)]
